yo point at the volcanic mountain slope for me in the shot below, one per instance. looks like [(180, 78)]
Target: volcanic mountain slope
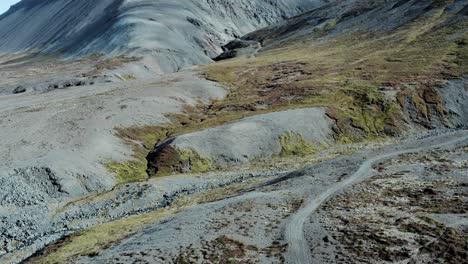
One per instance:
[(170, 34), (365, 18), (60, 126), (388, 57), (380, 68), (264, 144)]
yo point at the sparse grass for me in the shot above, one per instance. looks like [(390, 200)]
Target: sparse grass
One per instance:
[(128, 77), (220, 250), (223, 193), (141, 140), (93, 240), (349, 74), (390, 216)]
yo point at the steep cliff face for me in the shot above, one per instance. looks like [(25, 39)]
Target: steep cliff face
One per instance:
[(175, 33)]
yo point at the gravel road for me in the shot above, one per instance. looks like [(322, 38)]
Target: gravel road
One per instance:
[(298, 248)]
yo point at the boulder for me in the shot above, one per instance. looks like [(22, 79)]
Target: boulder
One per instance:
[(19, 89), (238, 47)]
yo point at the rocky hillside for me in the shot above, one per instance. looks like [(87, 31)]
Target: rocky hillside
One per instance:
[(370, 18), (169, 34), (379, 68), (389, 58), (243, 158)]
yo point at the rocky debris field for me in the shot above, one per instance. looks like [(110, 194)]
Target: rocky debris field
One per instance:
[(239, 47), (331, 135), (39, 73), (412, 209), (247, 224), (45, 215), (70, 135)]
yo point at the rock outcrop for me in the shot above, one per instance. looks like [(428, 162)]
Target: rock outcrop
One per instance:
[(262, 136), (455, 98)]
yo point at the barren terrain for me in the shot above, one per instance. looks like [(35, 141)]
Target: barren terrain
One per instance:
[(325, 132)]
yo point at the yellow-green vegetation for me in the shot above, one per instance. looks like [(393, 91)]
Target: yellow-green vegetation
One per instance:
[(128, 171), (289, 162), (127, 77), (364, 81), (222, 193), (142, 140), (93, 240), (330, 25), (197, 163), (294, 144), (356, 76)]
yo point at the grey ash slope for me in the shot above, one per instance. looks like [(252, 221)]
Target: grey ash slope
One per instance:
[(50, 165), (54, 143), (343, 18), (170, 34)]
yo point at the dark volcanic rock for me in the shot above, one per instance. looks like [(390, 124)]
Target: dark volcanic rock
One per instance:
[(238, 47), (19, 89)]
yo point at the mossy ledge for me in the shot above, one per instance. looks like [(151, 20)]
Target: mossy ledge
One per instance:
[(294, 144), (171, 160), (141, 140)]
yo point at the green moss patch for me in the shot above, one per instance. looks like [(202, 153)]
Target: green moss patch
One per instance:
[(141, 140), (293, 144), (357, 76), (197, 163), (128, 171)]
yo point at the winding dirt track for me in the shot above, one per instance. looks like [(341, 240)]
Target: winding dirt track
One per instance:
[(298, 248)]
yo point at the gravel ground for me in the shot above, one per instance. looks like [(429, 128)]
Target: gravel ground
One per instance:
[(54, 144), (250, 226)]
